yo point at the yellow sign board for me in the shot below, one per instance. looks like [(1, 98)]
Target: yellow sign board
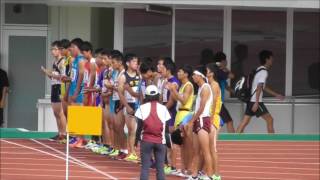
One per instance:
[(85, 120)]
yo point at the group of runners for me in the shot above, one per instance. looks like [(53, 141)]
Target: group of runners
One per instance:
[(149, 104)]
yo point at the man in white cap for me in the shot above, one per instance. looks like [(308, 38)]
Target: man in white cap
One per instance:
[(153, 116)]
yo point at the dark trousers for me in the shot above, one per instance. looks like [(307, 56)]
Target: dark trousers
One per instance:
[(147, 149)]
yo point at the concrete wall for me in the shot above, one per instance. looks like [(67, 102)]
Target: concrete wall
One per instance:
[(305, 120), (289, 117)]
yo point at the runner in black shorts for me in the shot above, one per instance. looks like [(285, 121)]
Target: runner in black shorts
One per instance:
[(256, 107), (58, 70), (223, 75), (262, 109)]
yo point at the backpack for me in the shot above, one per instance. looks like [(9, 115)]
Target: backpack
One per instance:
[(244, 85)]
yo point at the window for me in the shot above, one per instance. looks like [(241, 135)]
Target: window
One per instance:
[(253, 31), (26, 13), (306, 60), (147, 34), (197, 30)]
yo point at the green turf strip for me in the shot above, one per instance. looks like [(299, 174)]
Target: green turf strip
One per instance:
[(15, 133)]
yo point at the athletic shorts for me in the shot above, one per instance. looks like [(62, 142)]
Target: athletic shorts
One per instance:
[(117, 106), (168, 140), (225, 115), (173, 114), (202, 123), (182, 117), (133, 106), (216, 121), (262, 109), (55, 93)]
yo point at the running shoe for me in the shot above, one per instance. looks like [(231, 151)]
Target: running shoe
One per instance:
[(72, 140), (114, 153), (90, 144), (176, 172), (62, 139), (103, 150), (54, 138), (167, 170), (132, 157), (121, 156), (191, 178), (78, 144), (204, 177), (215, 177)]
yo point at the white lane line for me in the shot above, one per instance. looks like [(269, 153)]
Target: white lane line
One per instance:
[(75, 159), (34, 149), (274, 173), (50, 170), (35, 164), (270, 167), (59, 165), (50, 154), (256, 178), (42, 175), (260, 158), (264, 153), (273, 162)]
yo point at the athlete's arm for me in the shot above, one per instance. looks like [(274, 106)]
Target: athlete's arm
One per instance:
[(258, 92), (171, 100), (123, 100), (184, 97), (216, 91), (130, 91), (80, 79), (92, 74), (273, 93), (204, 98)]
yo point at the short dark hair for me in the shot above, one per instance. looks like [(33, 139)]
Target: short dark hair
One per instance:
[(146, 66), (207, 56), (149, 98), (105, 52), (86, 46), (56, 43), (213, 68), (147, 59), (65, 43), (220, 56), (264, 55), (187, 69), (77, 41), (169, 65), (118, 56), (98, 51), (130, 56)]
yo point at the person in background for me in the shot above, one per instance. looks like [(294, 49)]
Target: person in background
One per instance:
[(223, 75), (4, 89)]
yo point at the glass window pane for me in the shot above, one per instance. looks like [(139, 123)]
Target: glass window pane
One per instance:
[(253, 31), (197, 30), (26, 13), (306, 60), (147, 34)]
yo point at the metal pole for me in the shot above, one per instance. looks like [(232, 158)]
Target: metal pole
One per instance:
[(67, 157)]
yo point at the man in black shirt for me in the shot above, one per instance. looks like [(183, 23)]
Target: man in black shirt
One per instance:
[(4, 85)]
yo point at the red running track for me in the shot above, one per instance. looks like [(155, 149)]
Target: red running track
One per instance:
[(27, 159)]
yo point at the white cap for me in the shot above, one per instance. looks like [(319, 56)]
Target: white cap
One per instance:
[(152, 90)]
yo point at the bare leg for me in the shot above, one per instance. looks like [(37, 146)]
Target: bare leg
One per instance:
[(245, 121), (269, 120)]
